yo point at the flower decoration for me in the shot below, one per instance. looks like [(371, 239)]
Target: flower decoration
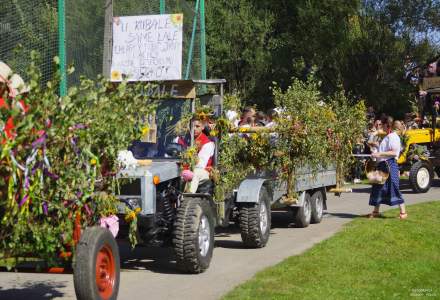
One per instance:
[(177, 19), (145, 130), (116, 75)]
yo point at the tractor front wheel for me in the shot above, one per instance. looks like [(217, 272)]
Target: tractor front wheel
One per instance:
[(96, 266), (193, 236)]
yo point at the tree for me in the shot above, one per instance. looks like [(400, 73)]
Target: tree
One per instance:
[(238, 43)]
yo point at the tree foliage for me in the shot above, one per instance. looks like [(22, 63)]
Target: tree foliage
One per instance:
[(361, 45)]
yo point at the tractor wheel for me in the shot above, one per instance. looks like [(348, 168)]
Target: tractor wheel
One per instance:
[(317, 204), (96, 266), (303, 214), (255, 221), (193, 236), (420, 177)]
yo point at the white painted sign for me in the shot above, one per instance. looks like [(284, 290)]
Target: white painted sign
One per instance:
[(147, 48)]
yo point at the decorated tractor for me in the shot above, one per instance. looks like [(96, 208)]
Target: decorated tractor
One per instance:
[(421, 153), (251, 170)]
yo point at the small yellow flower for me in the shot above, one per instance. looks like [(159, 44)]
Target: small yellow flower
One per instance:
[(132, 214), (213, 133), (145, 130), (116, 75), (177, 19), (93, 161), (202, 116), (130, 217), (242, 129), (254, 136)]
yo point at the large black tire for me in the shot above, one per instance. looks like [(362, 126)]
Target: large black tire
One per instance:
[(193, 236), (302, 215), (317, 204), (255, 221), (420, 176), (96, 266)]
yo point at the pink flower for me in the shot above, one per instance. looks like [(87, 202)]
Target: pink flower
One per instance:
[(111, 223), (187, 175)]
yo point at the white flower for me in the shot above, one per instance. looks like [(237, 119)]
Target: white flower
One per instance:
[(126, 159)]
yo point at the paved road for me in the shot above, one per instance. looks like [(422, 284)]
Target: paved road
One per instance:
[(149, 272)]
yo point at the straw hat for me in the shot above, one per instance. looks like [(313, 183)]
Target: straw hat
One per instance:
[(14, 82)]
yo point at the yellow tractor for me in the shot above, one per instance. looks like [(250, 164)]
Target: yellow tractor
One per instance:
[(421, 149)]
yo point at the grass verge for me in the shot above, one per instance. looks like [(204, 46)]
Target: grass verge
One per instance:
[(383, 258)]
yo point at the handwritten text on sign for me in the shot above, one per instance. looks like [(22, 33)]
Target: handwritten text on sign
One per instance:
[(147, 48)]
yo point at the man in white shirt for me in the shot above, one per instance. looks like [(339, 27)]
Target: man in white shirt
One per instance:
[(205, 153)]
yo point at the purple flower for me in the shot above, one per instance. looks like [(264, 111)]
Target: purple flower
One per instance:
[(40, 141), (37, 166), (89, 212), (23, 201), (77, 126), (26, 182), (73, 142), (45, 210), (50, 174)]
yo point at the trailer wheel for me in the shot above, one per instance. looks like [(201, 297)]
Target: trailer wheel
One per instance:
[(303, 214), (96, 267), (193, 236), (317, 204), (255, 221), (420, 177)]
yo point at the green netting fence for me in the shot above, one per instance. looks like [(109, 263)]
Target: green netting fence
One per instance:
[(27, 25)]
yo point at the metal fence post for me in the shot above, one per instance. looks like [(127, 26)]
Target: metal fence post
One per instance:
[(191, 45), (202, 39), (107, 53), (162, 7), (62, 46)]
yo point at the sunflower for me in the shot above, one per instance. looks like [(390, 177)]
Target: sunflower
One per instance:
[(116, 75), (177, 19)]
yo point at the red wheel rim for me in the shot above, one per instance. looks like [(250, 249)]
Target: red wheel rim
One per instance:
[(105, 272)]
